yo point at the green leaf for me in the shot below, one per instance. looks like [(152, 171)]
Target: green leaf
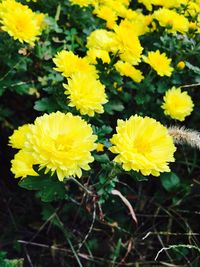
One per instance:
[(113, 106), (195, 69), (48, 187), (9, 263), (102, 158), (170, 181), (46, 104)]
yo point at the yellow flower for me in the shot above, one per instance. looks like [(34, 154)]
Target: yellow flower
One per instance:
[(137, 24), (92, 54), (126, 69), (7, 5), (108, 14), (169, 4), (86, 93), (58, 142), (82, 3), (22, 165), (172, 20), (144, 145), (100, 147), (20, 22), (17, 139), (159, 62), (68, 63), (177, 104), (192, 26), (193, 9), (181, 65), (129, 45), (101, 39)]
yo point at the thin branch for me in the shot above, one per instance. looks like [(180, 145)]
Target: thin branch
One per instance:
[(90, 229), (126, 202), (175, 247), (190, 85)]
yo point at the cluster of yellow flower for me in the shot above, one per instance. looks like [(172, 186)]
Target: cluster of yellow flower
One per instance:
[(20, 22), (84, 90), (123, 40), (112, 10), (62, 143)]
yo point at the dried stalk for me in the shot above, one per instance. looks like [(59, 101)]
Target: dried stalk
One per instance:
[(181, 135)]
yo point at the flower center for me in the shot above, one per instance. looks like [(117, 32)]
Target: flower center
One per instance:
[(142, 146), (64, 142), (20, 24)]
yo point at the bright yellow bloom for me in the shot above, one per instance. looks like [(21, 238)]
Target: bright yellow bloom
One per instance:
[(193, 9), (100, 147), (59, 143), (86, 93), (168, 4), (126, 69), (68, 63), (159, 62), (93, 54), (181, 65), (143, 144), (172, 20), (17, 139), (7, 5), (192, 25), (108, 14), (138, 24), (101, 39), (82, 3), (22, 164), (128, 45), (177, 104), (20, 22)]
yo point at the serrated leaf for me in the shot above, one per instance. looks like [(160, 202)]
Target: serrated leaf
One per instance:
[(48, 187)]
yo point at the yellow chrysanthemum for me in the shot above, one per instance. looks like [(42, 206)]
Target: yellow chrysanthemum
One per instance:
[(86, 93), (20, 22), (68, 63), (177, 104), (193, 9), (17, 139), (126, 69), (172, 20), (108, 14), (143, 144), (7, 5), (22, 165), (59, 143), (101, 39), (82, 3), (137, 24), (168, 4), (159, 62), (129, 46), (93, 54)]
